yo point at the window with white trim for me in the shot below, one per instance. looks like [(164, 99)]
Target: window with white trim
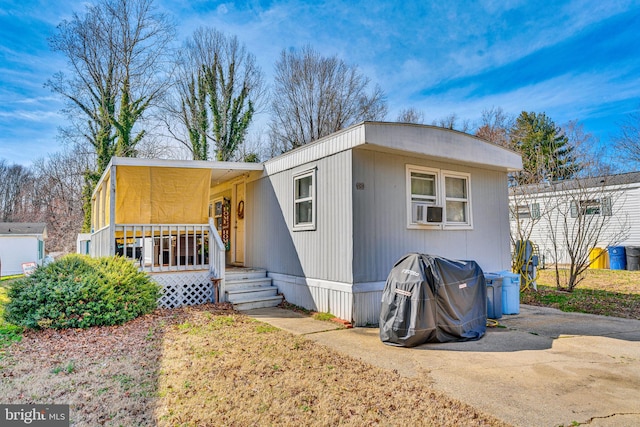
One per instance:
[(456, 198), (591, 207), (422, 192), (524, 211), (438, 198), (304, 203)]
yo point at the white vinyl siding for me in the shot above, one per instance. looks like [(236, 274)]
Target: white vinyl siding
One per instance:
[(435, 187), (304, 201)]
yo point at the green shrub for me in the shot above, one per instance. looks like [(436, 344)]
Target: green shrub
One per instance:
[(78, 291)]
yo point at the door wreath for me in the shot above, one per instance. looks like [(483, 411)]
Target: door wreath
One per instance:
[(240, 210)]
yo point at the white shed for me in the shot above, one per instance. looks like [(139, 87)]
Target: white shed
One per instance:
[(20, 243)]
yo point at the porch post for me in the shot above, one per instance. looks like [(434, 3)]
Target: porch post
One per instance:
[(112, 211)]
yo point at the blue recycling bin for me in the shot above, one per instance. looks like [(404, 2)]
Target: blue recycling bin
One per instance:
[(510, 292), (617, 258)]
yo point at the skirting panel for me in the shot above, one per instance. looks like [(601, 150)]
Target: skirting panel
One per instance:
[(317, 295), (367, 312), (184, 288)]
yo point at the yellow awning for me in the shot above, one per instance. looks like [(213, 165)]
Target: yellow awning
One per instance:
[(160, 195)]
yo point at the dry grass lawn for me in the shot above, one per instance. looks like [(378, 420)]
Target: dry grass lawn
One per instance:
[(620, 281), (211, 366), (606, 292)]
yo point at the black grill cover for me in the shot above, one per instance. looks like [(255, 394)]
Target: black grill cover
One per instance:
[(432, 299)]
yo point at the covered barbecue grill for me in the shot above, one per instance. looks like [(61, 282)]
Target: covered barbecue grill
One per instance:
[(429, 299)]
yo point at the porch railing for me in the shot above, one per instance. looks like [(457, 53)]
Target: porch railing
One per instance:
[(100, 242), (217, 252), (164, 247)]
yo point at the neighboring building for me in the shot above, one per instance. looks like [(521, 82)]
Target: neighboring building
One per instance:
[(326, 221), (20, 242), (83, 243), (607, 204)]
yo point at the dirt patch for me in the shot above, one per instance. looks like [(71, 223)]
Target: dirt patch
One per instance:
[(210, 366), (107, 374)]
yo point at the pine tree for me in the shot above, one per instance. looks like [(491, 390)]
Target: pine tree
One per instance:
[(547, 155)]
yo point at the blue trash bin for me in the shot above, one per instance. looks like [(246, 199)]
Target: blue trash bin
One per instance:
[(510, 292), (617, 258), (494, 295)]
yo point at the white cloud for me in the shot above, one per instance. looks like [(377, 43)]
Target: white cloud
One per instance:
[(43, 116)]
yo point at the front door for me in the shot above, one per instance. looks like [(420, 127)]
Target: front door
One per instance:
[(239, 210)]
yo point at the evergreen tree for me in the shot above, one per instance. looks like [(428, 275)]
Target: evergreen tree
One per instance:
[(547, 155)]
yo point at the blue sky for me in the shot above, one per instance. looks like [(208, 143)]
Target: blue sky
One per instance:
[(570, 59)]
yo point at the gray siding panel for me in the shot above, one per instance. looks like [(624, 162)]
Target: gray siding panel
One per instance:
[(381, 235), (269, 243), (324, 253), (316, 151)]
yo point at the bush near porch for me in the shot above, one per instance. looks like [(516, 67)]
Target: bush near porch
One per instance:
[(8, 333), (78, 292)]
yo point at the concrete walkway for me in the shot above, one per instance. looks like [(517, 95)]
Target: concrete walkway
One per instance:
[(542, 367)]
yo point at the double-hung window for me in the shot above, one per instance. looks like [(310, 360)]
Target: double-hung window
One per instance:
[(423, 185), (592, 207), (304, 201), (456, 198), (442, 192)]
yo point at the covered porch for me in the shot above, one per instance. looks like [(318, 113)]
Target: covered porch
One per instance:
[(165, 216)]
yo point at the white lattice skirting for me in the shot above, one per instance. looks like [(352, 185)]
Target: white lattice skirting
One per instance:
[(184, 288)]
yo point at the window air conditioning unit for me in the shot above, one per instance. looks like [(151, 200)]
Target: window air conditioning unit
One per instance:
[(424, 213), (434, 214)]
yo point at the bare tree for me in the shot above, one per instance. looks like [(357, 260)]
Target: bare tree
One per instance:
[(57, 197), (218, 88), (314, 96), (525, 213), (115, 56), (49, 192), (410, 115), (14, 181), (116, 53), (494, 126), (567, 217), (582, 215), (586, 147), (453, 122), (628, 138)]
